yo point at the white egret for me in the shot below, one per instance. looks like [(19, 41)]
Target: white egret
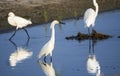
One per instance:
[(49, 46), (47, 68), (18, 22), (90, 16)]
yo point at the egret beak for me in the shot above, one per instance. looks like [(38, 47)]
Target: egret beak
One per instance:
[(61, 22)]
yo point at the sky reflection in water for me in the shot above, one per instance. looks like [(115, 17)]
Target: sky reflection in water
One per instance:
[(70, 57)]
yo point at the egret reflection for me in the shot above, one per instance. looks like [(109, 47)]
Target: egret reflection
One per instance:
[(93, 66), (18, 55), (47, 68)]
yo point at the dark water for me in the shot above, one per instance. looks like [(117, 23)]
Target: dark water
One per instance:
[(70, 58)]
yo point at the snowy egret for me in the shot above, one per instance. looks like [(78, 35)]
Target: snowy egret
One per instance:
[(18, 22), (47, 68), (90, 16), (49, 46)]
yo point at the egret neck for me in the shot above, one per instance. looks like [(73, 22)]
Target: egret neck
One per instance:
[(96, 7), (52, 34)]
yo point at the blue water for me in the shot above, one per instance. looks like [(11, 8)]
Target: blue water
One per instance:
[(69, 56)]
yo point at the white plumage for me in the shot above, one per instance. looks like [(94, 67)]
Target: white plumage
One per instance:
[(19, 55), (17, 22), (47, 68), (49, 46), (47, 49), (93, 66), (90, 15)]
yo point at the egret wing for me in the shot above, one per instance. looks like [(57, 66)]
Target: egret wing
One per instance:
[(21, 22), (89, 17), (45, 50)]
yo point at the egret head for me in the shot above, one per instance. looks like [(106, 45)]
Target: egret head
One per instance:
[(54, 23), (29, 21), (95, 3), (11, 14)]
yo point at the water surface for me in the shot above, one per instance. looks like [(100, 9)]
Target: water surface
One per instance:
[(69, 56)]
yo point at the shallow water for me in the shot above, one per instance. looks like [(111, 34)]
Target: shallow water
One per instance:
[(70, 57)]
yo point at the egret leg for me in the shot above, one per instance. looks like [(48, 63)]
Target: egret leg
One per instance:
[(27, 33), (27, 42), (13, 35), (89, 45), (13, 43), (89, 31), (51, 58), (93, 46), (92, 29)]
